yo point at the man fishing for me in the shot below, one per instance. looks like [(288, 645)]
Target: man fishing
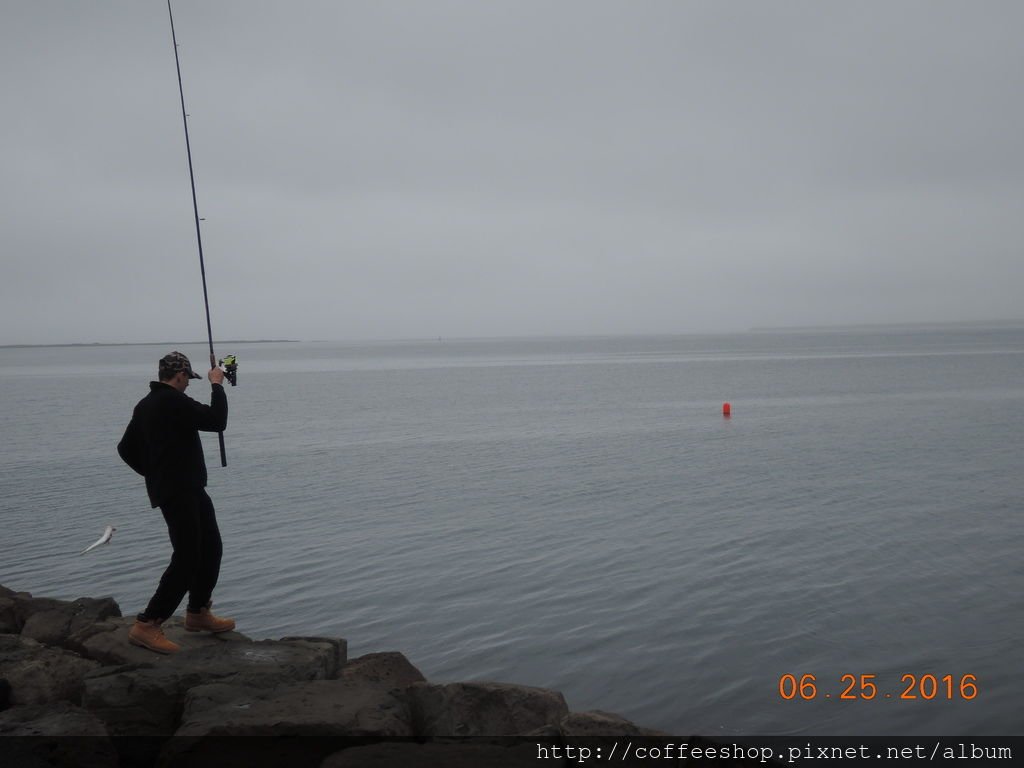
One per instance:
[(162, 444)]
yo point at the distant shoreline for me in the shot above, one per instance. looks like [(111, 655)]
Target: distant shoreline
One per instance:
[(151, 343), (1005, 324), (922, 326)]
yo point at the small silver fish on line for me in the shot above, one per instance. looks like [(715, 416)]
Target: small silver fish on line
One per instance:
[(107, 536)]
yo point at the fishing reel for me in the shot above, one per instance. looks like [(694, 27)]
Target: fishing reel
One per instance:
[(230, 366)]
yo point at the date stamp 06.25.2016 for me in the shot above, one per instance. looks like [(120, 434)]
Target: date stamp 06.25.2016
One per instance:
[(865, 687)]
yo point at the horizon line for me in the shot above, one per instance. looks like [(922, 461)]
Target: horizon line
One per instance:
[(934, 324)]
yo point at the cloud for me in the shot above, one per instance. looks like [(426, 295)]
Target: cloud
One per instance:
[(455, 168)]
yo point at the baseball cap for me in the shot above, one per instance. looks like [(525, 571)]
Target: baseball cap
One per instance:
[(174, 362)]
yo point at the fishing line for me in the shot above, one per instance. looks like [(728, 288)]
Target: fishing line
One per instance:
[(195, 210)]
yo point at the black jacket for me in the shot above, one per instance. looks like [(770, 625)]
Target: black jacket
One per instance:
[(162, 439)]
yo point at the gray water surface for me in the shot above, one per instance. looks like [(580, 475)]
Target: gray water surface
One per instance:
[(577, 514)]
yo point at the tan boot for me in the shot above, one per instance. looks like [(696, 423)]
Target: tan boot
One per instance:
[(204, 620), (148, 634)]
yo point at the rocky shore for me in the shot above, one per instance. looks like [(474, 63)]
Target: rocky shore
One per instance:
[(74, 692)]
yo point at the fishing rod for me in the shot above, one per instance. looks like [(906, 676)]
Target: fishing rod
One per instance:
[(230, 362)]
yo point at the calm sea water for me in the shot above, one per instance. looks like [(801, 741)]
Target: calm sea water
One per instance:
[(577, 514)]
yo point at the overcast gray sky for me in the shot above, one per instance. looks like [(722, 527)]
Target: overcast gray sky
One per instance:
[(438, 168)]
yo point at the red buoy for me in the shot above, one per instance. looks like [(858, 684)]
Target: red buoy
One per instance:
[(726, 409)]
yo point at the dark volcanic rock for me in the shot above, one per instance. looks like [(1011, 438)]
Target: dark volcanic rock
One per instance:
[(8, 617), (137, 699), (357, 714), (107, 642), (54, 735), (142, 703), (37, 674), (389, 671), (290, 724), (483, 711), (227, 700), (603, 733), (583, 727), (297, 723), (54, 624), (210, 658), (340, 646), (26, 606), (14, 606)]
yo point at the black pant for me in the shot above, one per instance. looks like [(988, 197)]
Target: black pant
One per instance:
[(195, 564)]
